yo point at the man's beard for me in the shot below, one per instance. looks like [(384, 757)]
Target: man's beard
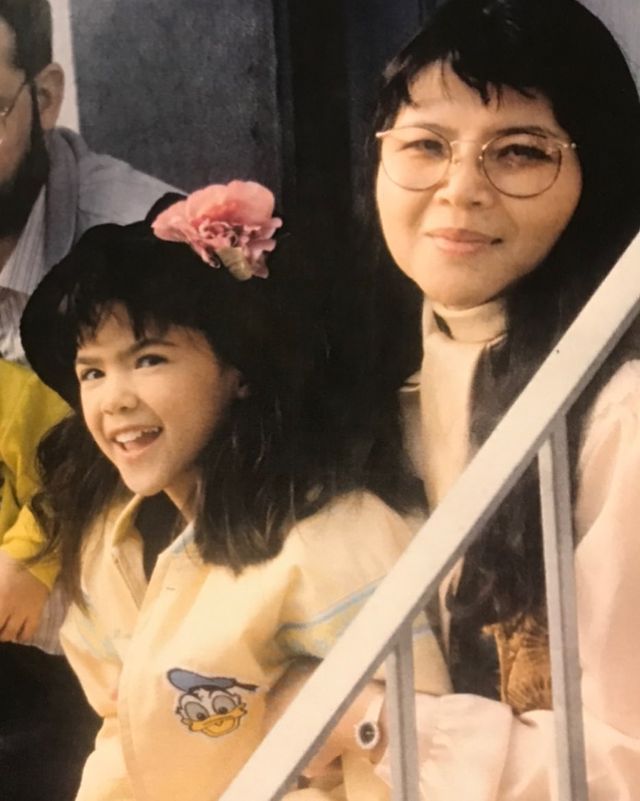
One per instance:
[(20, 192)]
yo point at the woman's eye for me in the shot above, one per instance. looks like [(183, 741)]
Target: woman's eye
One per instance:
[(150, 360), (427, 146), (523, 154)]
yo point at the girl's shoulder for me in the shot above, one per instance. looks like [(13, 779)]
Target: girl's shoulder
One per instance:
[(333, 561), (349, 526)]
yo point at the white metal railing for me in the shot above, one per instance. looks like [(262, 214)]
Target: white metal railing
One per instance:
[(534, 426)]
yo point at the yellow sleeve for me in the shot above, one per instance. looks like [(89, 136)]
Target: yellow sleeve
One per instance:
[(28, 409), (97, 665), (23, 541), (343, 553)]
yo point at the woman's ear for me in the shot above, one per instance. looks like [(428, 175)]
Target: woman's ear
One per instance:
[(49, 84)]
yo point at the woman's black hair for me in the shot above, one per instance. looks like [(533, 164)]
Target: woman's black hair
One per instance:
[(559, 50), (279, 454)]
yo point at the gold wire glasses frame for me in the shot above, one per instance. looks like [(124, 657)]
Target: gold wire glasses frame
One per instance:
[(520, 164), (5, 112)]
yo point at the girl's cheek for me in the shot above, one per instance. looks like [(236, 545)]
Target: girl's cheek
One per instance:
[(89, 416)]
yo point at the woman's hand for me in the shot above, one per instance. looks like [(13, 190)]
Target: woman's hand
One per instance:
[(342, 738)]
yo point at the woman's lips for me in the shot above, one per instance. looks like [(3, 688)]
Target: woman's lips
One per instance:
[(461, 241)]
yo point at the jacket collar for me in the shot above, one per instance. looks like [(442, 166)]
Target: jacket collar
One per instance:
[(65, 150)]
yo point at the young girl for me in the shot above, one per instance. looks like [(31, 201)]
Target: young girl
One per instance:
[(198, 377), (507, 185)]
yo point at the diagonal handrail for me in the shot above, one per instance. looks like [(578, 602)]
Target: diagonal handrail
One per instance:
[(446, 535)]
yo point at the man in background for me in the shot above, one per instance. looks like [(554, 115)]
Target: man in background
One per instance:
[(52, 187)]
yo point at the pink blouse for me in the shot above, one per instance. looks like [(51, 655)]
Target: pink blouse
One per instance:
[(475, 749)]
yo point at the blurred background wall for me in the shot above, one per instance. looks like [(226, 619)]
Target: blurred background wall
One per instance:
[(63, 53), (187, 90), (623, 19), (198, 91), (276, 90)]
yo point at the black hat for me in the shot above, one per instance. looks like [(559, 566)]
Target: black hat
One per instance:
[(254, 325)]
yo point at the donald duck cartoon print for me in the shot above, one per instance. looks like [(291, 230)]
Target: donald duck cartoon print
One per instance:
[(207, 704)]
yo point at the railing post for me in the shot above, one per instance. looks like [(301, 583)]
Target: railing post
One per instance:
[(401, 715), (555, 498)]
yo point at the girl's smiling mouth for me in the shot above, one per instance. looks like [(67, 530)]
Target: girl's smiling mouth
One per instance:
[(136, 439)]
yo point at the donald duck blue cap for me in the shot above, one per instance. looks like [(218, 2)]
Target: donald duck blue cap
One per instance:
[(185, 680)]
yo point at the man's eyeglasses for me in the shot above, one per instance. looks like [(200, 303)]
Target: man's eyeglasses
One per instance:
[(518, 164), (4, 113)]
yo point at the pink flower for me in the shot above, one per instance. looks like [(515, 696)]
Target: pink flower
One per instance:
[(230, 224)]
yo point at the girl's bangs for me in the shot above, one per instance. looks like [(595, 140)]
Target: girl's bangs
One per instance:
[(152, 292)]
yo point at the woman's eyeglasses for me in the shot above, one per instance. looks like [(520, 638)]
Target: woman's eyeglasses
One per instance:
[(517, 164)]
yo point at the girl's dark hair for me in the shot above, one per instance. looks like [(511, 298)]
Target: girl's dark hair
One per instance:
[(279, 454), (557, 49)]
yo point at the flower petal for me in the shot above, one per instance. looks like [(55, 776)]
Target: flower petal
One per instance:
[(230, 223)]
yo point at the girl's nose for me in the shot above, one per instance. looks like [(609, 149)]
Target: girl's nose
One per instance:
[(117, 396), (464, 184)]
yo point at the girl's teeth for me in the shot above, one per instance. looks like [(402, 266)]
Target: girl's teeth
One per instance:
[(130, 436)]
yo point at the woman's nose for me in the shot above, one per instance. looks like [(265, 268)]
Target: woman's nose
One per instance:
[(464, 183), (117, 395)]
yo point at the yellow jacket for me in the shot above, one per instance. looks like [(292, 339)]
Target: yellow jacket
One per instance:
[(180, 668), (28, 409)]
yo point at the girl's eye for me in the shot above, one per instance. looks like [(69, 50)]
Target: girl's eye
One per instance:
[(90, 374), (150, 360)]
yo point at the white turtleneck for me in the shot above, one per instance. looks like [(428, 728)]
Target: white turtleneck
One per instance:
[(437, 403), (450, 361)]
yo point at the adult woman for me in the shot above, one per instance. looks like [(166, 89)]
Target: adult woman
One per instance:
[(508, 184)]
